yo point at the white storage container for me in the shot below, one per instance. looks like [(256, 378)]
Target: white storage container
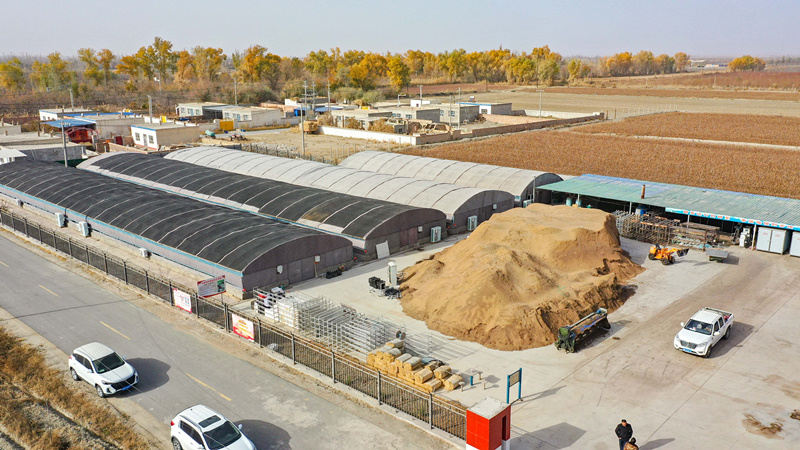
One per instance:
[(763, 238), (779, 243), (794, 250)]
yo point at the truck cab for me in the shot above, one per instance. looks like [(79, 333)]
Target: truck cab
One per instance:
[(703, 330)]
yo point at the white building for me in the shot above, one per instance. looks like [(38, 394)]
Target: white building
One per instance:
[(154, 136), (8, 155), (253, 116), (46, 115), (207, 110)]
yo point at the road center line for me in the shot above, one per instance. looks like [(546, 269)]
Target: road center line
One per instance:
[(115, 331), (209, 387), (48, 290)]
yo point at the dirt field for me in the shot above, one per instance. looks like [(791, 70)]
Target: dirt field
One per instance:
[(775, 130), (727, 167), (669, 92), (331, 148), (771, 80), (618, 103)]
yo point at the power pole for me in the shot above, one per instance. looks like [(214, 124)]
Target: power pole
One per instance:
[(540, 102), (459, 109), (235, 94), (302, 117), (64, 142), (72, 102), (420, 95), (150, 107)]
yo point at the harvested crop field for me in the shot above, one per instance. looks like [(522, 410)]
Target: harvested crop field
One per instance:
[(775, 130), (773, 80), (789, 96), (520, 276), (763, 171)]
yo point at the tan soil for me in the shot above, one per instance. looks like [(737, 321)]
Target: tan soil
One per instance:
[(520, 276), (753, 425)]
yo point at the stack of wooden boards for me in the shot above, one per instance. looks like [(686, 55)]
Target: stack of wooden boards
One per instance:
[(392, 360)]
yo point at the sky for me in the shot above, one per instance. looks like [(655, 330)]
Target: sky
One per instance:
[(700, 28)]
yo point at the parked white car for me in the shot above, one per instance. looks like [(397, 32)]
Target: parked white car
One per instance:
[(102, 368), (703, 331), (202, 428)]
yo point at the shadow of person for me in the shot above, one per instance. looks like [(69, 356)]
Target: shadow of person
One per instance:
[(655, 444)]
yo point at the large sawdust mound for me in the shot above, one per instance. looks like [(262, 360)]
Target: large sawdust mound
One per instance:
[(520, 276)]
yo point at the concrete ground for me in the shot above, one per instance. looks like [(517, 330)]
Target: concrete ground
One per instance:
[(741, 397)]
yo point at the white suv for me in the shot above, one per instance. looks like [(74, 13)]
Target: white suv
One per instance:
[(202, 428), (102, 368)]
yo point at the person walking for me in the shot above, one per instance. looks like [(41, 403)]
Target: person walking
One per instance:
[(631, 445), (624, 433)]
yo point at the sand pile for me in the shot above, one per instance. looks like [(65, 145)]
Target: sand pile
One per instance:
[(520, 276)]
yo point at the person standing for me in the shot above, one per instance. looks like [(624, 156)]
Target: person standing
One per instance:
[(631, 445), (624, 433)]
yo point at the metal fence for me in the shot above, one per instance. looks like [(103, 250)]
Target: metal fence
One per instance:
[(434, 410)]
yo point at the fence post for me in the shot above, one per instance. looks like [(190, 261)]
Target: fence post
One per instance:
[(105, 262), (379, 389), (125, 271), (294, 359), (260, 345), (25, 219), (86, 247), (171, 295), (430, 409), (225, 316), (146, 282), (197, 304), (69, 245), (333, 366)]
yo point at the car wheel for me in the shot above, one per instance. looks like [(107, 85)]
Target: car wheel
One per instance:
[(100, 391), (175, 444), (708, 353), (74, 374), (727, 333)]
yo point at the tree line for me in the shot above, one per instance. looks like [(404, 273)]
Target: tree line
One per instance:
[(350, 73)]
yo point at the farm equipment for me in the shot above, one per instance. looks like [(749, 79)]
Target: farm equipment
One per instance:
[(310, 126), (666, 254), (715, 254), (567, 337)]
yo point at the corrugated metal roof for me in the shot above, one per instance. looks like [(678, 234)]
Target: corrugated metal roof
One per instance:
[(711, 203), (69, 123)]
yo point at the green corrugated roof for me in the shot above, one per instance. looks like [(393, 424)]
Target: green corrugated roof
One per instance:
[(711, 203)]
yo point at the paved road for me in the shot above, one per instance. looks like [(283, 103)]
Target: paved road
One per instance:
[(177, 370)]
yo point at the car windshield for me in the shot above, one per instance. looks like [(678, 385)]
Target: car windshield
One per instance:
[(224, 435), (699, 327), (108, 363)]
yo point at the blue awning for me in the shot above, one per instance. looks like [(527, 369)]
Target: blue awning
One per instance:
[(69, 123)]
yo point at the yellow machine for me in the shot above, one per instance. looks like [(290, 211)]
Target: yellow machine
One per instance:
[(666, 254)]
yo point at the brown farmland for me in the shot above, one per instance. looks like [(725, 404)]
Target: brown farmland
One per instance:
[(773, 80), (789, 96), (763, 171), (776, 130)]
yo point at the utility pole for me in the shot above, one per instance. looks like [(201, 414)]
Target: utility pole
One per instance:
[(420, 95), (540, 102), (302, 117), (64, 142), (314, 98), (329, 98), (150, 107), (235, 94), (459, 109), (450, 114), (72, 102)]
